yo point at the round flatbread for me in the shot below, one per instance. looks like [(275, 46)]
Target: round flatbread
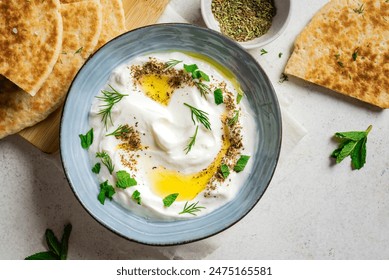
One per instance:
[(18, 109), (28, 48), (345, 48)]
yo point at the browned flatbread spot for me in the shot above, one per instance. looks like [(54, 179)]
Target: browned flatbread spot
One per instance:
[(345, 47), (28, 48)]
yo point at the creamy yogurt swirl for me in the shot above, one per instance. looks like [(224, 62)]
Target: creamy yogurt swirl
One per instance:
[(162, 166)]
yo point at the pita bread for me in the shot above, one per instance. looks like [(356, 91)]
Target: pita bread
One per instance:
[(28, 48), (113, 20), (48, 130), (346, 48), (19, 110)]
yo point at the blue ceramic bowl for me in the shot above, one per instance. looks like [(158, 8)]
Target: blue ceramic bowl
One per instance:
[(92, 77)]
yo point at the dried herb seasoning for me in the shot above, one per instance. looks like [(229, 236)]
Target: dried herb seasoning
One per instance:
[(244, 20)]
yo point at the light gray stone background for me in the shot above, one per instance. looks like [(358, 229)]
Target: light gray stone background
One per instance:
[(312, 209)]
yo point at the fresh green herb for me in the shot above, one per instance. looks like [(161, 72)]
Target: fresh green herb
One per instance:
[(96, 168), (353, 144), (122, 130), (110, 98), (106, 191), (280, 55), (337, 56), (168, 200), (360, 9), (243, 20), (263, 51), (239, 96), (340, 63), (283, 78), (171, 63), (234, 119), (124, 180), (218, 94), (203, 88), (57, 250), (241, 164), (355, 54), (65, 241), (87, 139), (196, 72), (191, 209), (201, 116), (106, 160), (136, 197), (192, 141), (224, 170), (79, 50)]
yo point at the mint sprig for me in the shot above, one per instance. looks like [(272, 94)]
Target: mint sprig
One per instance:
[(57, 250), (353, 144)]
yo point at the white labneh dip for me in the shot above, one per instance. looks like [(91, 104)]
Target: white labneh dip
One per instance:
[(177, 131)]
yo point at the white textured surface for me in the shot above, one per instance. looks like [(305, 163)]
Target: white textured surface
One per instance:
[(311, 210)]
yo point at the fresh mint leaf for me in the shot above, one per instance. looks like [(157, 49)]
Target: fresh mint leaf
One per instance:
[(87, 139), (58, 250), (191, 69), (201, 75), (43, 256), (124, 180), (52, 242), (358, 156), (218, 94), (225, 171), (239, 96), (168, 200), (353, 144), (241, 164), (136, 197), (96, 168), (351, 135), (106, 191), (65, 241), (196, 72)]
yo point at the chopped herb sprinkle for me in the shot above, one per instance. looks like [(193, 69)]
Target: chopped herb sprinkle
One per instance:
[(243, 20)]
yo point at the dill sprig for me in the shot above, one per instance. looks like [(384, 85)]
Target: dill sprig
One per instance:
[(106, 160), (110, 98), (192, 141), (171, 63), (234, 119), (191, 209), (201, 116), (122, 130), (203, 88)]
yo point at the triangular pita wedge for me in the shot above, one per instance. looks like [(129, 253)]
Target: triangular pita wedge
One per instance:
[(18, 109), (28, 48), (345, 48)]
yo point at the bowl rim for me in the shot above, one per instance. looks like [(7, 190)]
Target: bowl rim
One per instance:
[(248, 210), (207, 17)]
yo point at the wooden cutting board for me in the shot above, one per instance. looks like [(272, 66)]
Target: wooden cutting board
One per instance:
[(45, 135)]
